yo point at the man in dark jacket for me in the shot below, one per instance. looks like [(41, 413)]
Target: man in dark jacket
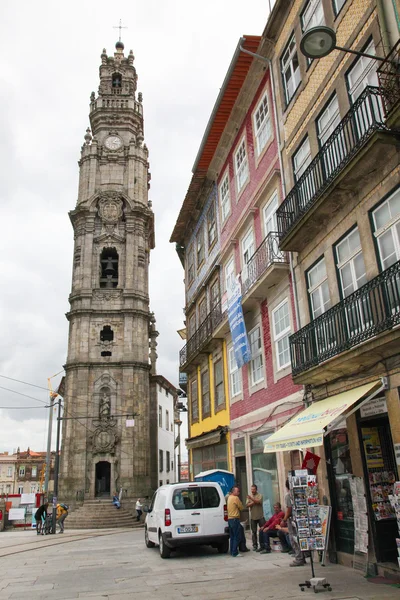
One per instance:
[(40, 517)]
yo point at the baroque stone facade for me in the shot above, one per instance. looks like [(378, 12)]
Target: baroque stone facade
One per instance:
[(108, 369)]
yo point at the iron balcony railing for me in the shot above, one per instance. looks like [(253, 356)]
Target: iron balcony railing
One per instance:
[(201, 336), (370, 310), (364, 118), (389, 79), (266, 254)]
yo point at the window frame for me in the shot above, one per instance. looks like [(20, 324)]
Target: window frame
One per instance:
[(167, 461), (348, 260), (233, 372), (200, 249), (218, 385), (21, 471), (190, 265), (231, 275), (301, 168), (293, 72), (205, 391), (256, 355), (265, 124), (160, 419), (336, 11), (167, 420), (225, 198), (311, 289), (160, 460), (272, 200), (390, 225), (211, 225), (243, 167), (285, 333), (310, 24), (194, 382)]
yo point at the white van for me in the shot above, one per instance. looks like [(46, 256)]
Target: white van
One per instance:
[(183, 514)]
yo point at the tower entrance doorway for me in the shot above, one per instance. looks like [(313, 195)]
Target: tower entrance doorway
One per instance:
[(103, 478)]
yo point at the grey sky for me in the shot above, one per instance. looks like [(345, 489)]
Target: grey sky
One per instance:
[(50, 55)]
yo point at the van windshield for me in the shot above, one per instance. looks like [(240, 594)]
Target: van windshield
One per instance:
[(199, 497)]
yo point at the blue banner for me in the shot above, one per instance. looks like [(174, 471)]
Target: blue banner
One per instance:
[(237, 326)]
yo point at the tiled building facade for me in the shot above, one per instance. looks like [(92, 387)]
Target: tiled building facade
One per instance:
[(308, 221), (339, 220)]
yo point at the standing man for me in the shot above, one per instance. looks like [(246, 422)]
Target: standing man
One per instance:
[(255, 505), (299, 559), (139, 509), (234, 508)]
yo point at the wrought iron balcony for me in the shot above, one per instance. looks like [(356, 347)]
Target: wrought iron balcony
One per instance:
[(266, 254), (202, 336), (389, 79), (365, 117), (369, 311)]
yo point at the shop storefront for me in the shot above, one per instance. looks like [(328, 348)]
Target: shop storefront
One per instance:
[(209, 451), (252, 465), (354, 429)]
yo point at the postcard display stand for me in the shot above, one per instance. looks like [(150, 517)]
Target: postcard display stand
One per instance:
[(312, 522), (395, 502)]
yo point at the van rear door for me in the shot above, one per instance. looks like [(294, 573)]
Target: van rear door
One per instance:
[(186, 512), (213, 510)]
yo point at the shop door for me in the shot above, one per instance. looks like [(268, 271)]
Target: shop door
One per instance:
[(241, 477), (380, 475), (339, 476)]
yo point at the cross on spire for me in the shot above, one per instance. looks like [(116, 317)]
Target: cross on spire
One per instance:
[(120, 26)]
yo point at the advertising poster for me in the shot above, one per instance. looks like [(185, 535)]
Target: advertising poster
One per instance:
[(372, 447), (237, 326)]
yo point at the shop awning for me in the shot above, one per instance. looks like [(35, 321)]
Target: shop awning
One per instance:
[(206, 439), (307, 429)]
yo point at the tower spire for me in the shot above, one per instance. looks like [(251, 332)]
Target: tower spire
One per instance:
[(120, 26)]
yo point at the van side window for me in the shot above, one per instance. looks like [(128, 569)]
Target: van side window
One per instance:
[(210, 497), (186, 499), (152, 502)]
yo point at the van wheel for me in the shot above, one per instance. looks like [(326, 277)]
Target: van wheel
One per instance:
[(223, 548), (148, 543), (165, 552)]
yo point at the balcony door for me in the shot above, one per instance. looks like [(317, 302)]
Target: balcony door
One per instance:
[(307, 187), (247, 253), (352, 275), (361, 75), (335, 151), (386, 220), (320, 301)]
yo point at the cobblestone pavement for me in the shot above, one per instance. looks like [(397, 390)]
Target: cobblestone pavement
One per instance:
[(116, 564)]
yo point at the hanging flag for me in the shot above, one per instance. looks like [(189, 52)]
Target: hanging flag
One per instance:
[(311, 462)]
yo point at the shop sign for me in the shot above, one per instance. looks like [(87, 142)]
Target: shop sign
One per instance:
[(376, 406)]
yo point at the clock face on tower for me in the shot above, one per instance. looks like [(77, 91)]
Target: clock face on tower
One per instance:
[(113, 142)]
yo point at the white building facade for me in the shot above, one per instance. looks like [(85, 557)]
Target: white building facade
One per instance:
[(166, 401)]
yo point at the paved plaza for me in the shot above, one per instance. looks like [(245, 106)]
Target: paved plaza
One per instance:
[(116, 564)]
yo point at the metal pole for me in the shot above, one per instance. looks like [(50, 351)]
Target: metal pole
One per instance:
[(48, 454), (56, 466), (179, 450)]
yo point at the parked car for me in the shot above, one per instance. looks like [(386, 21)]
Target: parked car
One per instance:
[(187, 514)]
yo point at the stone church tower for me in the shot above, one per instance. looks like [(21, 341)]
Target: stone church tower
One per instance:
[(110, 326)]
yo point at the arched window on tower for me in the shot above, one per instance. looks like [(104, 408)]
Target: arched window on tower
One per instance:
[(109, 268), (116, 81), (106, 334)]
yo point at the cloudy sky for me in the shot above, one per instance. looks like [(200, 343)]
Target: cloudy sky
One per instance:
[(50, 55)]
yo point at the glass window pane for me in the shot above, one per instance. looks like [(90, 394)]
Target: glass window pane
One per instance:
[(186, 498)]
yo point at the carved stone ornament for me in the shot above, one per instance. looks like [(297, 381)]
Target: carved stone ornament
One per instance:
[(105, 438), (110, 209), (106, 295)]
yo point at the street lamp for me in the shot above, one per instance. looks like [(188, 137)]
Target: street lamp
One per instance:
[(320, 41)]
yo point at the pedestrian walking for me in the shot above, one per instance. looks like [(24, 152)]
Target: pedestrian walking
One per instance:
[(255, 504), (61, 515), (234, 508), (40, 518), (139, 509), (299, 560)]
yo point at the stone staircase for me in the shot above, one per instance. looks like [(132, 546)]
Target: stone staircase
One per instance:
[(100, 514)]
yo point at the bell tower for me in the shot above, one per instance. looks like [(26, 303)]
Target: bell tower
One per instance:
[(108, 367)]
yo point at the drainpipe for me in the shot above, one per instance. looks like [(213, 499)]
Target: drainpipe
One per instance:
[(292, 274), (390, 23)]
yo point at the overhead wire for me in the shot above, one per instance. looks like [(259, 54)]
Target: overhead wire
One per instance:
[(25, 395), (26, 383)]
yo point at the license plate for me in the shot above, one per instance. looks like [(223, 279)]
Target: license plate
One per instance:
[(192, 529)]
